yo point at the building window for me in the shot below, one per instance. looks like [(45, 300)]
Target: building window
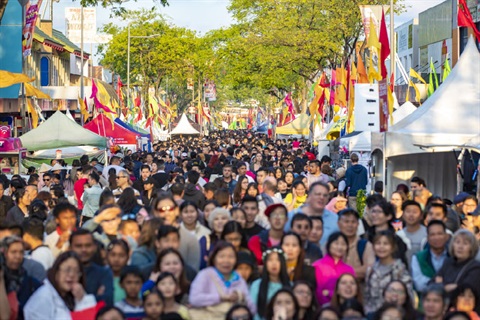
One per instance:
[(44, 71)]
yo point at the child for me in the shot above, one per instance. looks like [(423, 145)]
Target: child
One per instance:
[(153, 305), (65, 216), (168, 286), (129, 228), (131, 282)]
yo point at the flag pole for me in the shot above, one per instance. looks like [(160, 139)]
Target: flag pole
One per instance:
[(392, 45)]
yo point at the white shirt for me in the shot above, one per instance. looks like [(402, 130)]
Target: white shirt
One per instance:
[(44, 256), (51, 241)]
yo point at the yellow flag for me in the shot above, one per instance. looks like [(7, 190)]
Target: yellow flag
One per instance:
[(373, 37), (391, 101), (372, 72), (8, 79), (83, 109), (31, 91), (415, 75), (103, 96), (33, 113)]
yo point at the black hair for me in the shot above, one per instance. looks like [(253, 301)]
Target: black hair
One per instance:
[(229, 315), (164, 230), (184, 284), (373, 199), (177, 189), (437, 223), (460, 290), (107, 309), (34, 227), (38, 210), (310, 312), (352, 304), (407, 203), (271, 304), (131, 270), (297, 272), (121, 243), (455, 314), (248, 198), (387, 306), (94, 176), (104, 196), (419, 181), (210, 186), (127, 200), (387, 208), (62, 207), (348, 212), (407, 306), (80, 232), (301, 217), (316, 218), (219, 246), (334, 237), (193, 176), (234, 227)]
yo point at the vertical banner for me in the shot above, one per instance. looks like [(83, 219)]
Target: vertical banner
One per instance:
[(31, 14), (374, 12), (383, 111)]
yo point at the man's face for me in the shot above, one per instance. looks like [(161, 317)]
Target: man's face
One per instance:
[(348, 225), (149, 158), (47, 180), (116, 162), (66, 220), (84, 247), (412, 215), (437, 237), (415, 186), (227, 172), (122, 180), (435, 213), (91, 182), (278, 218), (145, 173), (242, 170), (318, 197), (171, 241), (313, 168), (32, 192), (251, 210), (302, 228), (261, 175), (317, 231)]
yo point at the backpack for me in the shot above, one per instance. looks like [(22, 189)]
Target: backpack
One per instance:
[(361, 245)]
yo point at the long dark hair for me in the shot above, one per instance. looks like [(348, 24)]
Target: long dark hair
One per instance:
[(229, 315), (237, 192), (270, 312), (407, 306), (68, 298), (128, 200), (182, 281), (298, 271), (265, 279), (310, 312), (234, 227)]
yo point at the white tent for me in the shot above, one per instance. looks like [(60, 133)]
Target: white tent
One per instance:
[(184, 127), (422, 143), (403, 111), (357, 141)]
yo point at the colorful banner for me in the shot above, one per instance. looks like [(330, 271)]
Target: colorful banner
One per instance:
[(374, 13), (31, 14), (73, 24)]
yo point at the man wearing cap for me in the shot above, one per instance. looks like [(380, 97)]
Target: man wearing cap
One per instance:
[(277, 216), (266, 198)]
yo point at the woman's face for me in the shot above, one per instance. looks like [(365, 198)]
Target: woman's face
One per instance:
[(153, 306), (208, 209), (148, 186), (278, 173), (117, 258), (154, 167), (338, 248), (282, 186), (241, 313), (304, 295), (396, 200), (466, 301), (189, 215), (225, 260), (433, 306), (341, 204), (252, 191), (168, 287), (383, 248), (391, 314), (461, 248), (300, 189), (258, 158), (239, 216), (285, 301), (219, 222), (171, 263), (291, 247), (235, 239), (167, 210), (273, 264), (68, 274), (245, 271), (395, 294), (244, 184), (347, 287)]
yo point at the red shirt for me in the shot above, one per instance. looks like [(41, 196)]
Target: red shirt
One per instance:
[(79, 188)]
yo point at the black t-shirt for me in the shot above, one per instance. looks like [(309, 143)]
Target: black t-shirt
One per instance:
[(250, 232)]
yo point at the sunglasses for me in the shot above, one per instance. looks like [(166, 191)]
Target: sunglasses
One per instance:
[(165, 209), (129, 216), (46, 180)]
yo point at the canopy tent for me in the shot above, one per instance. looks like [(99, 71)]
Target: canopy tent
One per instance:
[(59, 131), (299, 126), (184, 127), (403, 111), (357, 141), (130, 128), (422, 143), (103, 126)]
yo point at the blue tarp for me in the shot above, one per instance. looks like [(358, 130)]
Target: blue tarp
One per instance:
[(128, 127)]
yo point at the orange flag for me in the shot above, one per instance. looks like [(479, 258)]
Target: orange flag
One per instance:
[(362, 72)]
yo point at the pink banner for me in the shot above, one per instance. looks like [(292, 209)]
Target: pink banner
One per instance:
[(31, 14)]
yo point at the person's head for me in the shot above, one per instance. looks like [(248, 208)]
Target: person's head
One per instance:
[(246, 265), (250, 206), (457, 315), (318, 196), (83, 244), (397, 198), (93, 178), (436, 211), (131, 281), (317, 229), (227, 171), (347, 287), (153, 304), (283, 301), (417, 183), (262, 173), (168, 237), (189, 213), (412, 213), (277, 215), (178, 189), (381, 214), (165, 208), (22, 197), (348, 221), (118, 253), (48, 179), (384, 244), (167, 285), (223, 257), (233, 233), (437, 235), (291, 244), (106, 198), (299, 188), (239, 215), (434, 301), (222, 196), (337, 245), (33, 230), (149, 231), (354, 158), (65, 215), (65, 273), (314, 167), (396, 292), (302, 225), (145, 172), (306, 298), (130, 228), (390, 312), (241, 168), (217, 220), (469, 204), (170, 260), (114, 213), (239, 312), (209, 190), (110, 313), (252, 189), (329, 313), (464, 298), (463, 246), (13, 250)]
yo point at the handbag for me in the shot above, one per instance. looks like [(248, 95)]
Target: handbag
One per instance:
[(215, 312)]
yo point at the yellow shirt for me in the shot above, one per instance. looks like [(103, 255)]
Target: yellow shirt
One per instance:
[(298, 202)]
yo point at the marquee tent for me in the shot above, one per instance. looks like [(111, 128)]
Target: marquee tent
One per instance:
[(130, 128), (299, 126), (357, 141), (103, 126), (60, 131), (184, 127), (403, 111), (422, 143)]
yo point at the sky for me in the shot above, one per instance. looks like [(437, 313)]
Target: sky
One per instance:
[(204, 15)]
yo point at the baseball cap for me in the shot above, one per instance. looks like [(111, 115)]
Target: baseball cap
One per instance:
[(460, 197), (274, 206)]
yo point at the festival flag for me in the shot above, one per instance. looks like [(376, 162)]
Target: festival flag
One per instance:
[(362, 72), (98, 103), (340, 89), (373, 40), (291, 110), (415, 75), (33, 113), (8, 79), (446, 70), (372, 71), (83, 108), (432, 78), (385, 46), (465, 19)]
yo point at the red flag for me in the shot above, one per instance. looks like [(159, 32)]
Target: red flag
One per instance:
[(138, 101), (97, 102), (289, 103), (392, 81), (464, 18), (385, 50), (139, 116)]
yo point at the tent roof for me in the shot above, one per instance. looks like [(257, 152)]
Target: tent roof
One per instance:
[(130, 128), (451, 116), (103, 126), (184, 127), (403, 111), (298, 126), (60, 131), (357, 141)]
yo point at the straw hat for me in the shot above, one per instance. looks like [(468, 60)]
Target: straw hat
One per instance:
[(57, 166), (44, 168)]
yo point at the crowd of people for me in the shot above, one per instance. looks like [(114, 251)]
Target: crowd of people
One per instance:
[(232, 226)]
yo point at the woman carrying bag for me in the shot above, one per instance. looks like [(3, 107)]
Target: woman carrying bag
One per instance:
[(217, 288)]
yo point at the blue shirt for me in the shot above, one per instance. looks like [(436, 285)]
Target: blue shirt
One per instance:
[(273, 287)]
